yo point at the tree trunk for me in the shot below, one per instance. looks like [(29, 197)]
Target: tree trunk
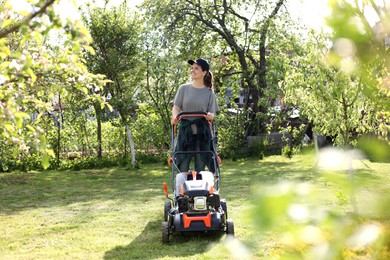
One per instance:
[(87, 145), (58, 144), (124, 144), (59, 125), (99, 137), (131, 142), (98, 113)]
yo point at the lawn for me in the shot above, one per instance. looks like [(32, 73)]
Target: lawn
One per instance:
[(117, 213)]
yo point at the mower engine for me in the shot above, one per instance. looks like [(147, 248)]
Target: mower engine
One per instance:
[(199, 194), (200, 203)]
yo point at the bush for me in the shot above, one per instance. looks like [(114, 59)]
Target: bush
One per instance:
[(287, 151), (258, 148), (231, 140), (22, 163), (94, 163)]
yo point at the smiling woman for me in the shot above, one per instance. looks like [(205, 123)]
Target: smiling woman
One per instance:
[(196, 96)]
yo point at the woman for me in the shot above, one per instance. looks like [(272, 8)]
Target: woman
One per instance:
[(194, 133)]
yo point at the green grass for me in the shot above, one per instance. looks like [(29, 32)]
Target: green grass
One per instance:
[(117, 213)]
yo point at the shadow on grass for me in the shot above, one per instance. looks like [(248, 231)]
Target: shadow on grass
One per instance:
[(259, 172), (23, 191), (148, 243)]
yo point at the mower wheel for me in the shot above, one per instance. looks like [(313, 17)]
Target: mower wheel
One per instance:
[(229, 227), (224, 207), (166, 236), (167, 208)]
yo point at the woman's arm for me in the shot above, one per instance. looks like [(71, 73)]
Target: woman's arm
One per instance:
[(175, 112)]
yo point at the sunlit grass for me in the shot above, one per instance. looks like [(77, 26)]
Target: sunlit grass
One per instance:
[(117, 213)]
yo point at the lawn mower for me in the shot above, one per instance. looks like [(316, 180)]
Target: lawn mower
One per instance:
[(196, 205)]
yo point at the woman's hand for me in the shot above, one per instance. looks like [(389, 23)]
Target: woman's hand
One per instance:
[(175, 112), (210, 116)]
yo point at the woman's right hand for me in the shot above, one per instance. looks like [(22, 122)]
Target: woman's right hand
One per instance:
[(175, 112)]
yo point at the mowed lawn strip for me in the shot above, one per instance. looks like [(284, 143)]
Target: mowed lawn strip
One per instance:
[(117, 213)]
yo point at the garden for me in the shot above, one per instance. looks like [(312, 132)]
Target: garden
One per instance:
[(303, 127)]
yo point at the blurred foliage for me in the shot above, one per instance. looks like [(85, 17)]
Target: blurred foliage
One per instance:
[(375, 149), (361, 47), (332, 99), (306, 230)]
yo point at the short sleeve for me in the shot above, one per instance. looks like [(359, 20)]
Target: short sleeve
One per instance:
[(213, 104), (178, 100)]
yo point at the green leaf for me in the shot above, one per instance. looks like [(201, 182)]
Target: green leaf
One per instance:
[(42, 138), (24, 13), (5, 64), (90, 49), (15, 153), (32, 75), (6, 50), (10, 128), (45, 161), (19, 119), (84, 90), (6, 23), (30, 128), (50, 152)]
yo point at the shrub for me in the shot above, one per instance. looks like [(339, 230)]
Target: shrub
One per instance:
[(258, 148)]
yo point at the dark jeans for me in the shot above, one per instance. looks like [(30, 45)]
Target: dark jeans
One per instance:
[(184, 160), (194, 135)]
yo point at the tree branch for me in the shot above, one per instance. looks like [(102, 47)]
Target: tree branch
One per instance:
[(26, 20), (362, 17), (263, 37)]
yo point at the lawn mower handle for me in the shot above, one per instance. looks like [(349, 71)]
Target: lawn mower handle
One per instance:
[(192, 113)]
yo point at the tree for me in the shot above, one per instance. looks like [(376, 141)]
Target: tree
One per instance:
[(243, 37), (31, 73), (330, 98), (361, 47), (115, 41), (164, 73)]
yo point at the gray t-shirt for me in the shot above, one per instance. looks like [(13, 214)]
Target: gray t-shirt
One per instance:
[(189, 98)]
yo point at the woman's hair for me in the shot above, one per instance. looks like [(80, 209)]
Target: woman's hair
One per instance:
[(208, 79)]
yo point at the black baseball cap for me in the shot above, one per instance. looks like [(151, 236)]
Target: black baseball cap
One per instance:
[(201, 62)]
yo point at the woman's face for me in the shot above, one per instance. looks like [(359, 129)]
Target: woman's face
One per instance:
[(196, 72)]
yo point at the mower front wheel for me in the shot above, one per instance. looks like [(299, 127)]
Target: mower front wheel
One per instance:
[(166, 235), (229, 227)]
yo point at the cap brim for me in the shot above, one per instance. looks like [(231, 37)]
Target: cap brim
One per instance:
[(191, 62)]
